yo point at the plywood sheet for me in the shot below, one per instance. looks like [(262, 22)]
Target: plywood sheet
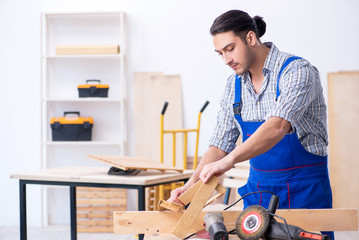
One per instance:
[(151, 91), (126, 163), (343, 105)]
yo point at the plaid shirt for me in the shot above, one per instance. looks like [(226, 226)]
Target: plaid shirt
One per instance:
[(301, 102)]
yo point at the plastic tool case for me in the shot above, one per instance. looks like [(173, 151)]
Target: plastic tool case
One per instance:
[(95, 89), (71, 128)]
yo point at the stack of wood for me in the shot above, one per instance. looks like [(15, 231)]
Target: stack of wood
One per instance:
[(95, 207)]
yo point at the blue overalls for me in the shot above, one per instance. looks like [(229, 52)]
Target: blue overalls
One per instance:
[(298, 177)]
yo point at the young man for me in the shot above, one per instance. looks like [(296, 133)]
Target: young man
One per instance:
[(275, 102)]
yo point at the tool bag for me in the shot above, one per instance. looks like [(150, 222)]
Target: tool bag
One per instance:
[(71, 128), (93, 90)]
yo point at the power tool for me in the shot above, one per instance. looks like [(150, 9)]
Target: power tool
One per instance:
[(256, 222), (215, 226)]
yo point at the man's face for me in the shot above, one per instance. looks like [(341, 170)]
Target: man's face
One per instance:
[(235, 53)]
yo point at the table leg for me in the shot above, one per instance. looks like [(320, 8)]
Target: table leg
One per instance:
[(23, 225), (73, 223), (141, 204)]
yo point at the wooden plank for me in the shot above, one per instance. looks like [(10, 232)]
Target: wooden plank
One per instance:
[(93, 229), (100, 209), (97, 189), (175, 207), (151, 91), (101, 201), (221, 191), (195, 208), (126, 163), (96, 222), (343, 118), (108, 215), (118, 195), (188, 195), (154, 222), (87, 49)]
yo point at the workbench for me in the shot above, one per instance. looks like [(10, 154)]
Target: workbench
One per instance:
[(90, 177)]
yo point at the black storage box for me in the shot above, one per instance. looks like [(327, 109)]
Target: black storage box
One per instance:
[(71, 128), (93, 90)]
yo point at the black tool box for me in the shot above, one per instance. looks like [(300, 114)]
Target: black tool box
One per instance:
[(95, 89), (71, 128)]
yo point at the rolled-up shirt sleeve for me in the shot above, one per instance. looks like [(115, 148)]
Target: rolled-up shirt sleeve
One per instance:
[(226, 131), (298, 89)]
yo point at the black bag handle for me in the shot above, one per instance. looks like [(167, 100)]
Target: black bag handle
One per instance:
[(77, 113), (93, 80)]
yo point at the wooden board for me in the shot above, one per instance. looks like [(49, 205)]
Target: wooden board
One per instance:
[(343, 106), (188, 195), (87, 49), (126, 163), (153, 222), (95, 207), (172, 206), (151, 91), (195, 208)]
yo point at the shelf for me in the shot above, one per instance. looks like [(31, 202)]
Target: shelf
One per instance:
[(86, 56), (105, 100), (66, 14), (86, 143), (60, 77)]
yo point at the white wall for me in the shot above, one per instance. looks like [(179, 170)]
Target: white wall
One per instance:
[(170, 36)]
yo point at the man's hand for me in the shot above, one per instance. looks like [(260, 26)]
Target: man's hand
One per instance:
[(267, 135), (215, 168), (176, 193)]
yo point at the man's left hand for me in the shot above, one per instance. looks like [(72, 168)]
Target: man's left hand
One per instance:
[(215, 168)]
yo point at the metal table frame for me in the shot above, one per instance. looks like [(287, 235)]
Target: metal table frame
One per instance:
[(73, 218)]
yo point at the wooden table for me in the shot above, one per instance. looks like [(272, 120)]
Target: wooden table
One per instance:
[(90, 177)]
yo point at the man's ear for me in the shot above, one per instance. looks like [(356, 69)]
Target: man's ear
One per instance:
[(251, 38)]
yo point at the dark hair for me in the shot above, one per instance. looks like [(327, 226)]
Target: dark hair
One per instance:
[(240, 23)]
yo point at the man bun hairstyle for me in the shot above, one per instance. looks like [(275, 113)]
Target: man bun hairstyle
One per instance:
[(240, 23), (261, 26)]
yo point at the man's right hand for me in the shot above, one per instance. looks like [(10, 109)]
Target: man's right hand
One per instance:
[(176, 193)]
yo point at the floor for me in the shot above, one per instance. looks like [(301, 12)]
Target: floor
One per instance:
[(36, 233)]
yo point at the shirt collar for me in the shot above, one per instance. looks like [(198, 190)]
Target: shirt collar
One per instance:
[(271, 59)]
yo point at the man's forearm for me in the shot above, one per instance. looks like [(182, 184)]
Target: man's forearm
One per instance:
[(266, 137)]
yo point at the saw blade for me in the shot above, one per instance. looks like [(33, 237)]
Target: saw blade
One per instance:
[(252, 223)]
